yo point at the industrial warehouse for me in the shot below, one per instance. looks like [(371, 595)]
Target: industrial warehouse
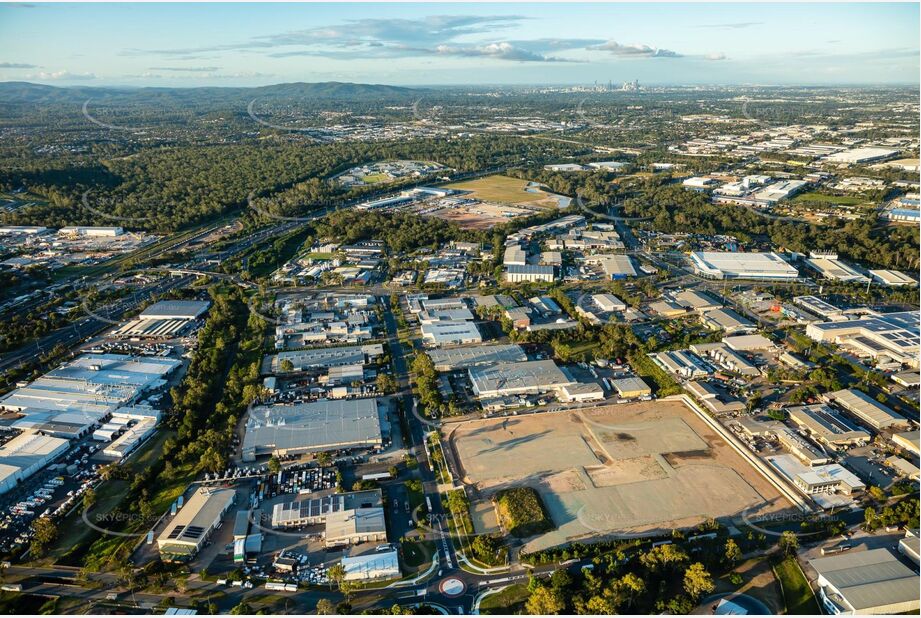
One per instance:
[(506, 379), (186, 533), (302, 360), (450, 332), (349, 519), (163, 320), (25, 455), (731, 265), (827, 426), (891, 340), (450, 359), (867, 410), (872, 581), (70, 399), (315, 510), (313, 427)]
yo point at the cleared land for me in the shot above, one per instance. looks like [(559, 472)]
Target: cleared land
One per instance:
[(483, 515), (506, 190), (613, 470), (480, 215)]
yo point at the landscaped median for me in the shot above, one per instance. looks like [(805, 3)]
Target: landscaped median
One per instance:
[(797, 594)]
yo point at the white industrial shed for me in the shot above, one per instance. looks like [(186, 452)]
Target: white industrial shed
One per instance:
[(25, 455)]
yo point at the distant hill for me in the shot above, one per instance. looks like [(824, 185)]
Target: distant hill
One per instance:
[(26, 92)]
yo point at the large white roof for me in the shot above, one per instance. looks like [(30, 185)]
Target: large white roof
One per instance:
[(743, 265)]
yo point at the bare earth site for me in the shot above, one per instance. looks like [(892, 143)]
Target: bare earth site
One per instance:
[(612, 470)]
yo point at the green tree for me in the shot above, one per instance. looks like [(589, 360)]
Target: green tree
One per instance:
[(274, 465), (337, 576), (560, 580), (663, 557), (89, 498), (386, 384), (544, 601), (45, 533), (698, 581), (630, 587), (597, 606), (325, 607), (733, 553), (286, 365), (789, 542)]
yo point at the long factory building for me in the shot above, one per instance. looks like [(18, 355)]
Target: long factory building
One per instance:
[(888, 337), (187, 532), (732, 265), (70, 399), (504, 379), (827, 426), (314, 427), (866, 409)]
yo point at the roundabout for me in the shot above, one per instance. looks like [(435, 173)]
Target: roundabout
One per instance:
[(452, 587)]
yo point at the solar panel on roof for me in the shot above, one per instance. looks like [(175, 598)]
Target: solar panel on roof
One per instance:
[(193, 532), (175, 532)]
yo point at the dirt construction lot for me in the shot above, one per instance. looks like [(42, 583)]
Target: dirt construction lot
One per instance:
[(614, 470)]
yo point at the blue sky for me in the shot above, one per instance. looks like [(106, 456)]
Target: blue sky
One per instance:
[(454, 43)]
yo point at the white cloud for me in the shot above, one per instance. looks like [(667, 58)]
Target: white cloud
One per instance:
[(187, 69), (635, 50), (61, 76)]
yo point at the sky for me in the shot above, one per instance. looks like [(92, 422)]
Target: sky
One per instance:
[(249, 44)]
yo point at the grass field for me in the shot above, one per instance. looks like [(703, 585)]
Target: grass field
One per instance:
[(417, 553), (78, 543), (15, 201), (844, 200), (499, 189), (373, 179), (797, 594), (508, 601)]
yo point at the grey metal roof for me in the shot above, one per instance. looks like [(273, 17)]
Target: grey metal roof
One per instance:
[(867, 409), (176, 309), (511, 378), (315, 426), (470, 356), (869, 579)]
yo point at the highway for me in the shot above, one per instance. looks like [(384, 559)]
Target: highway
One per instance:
[(100, 318)]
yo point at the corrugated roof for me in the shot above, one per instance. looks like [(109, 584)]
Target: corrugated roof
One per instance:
[(869, 579)]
